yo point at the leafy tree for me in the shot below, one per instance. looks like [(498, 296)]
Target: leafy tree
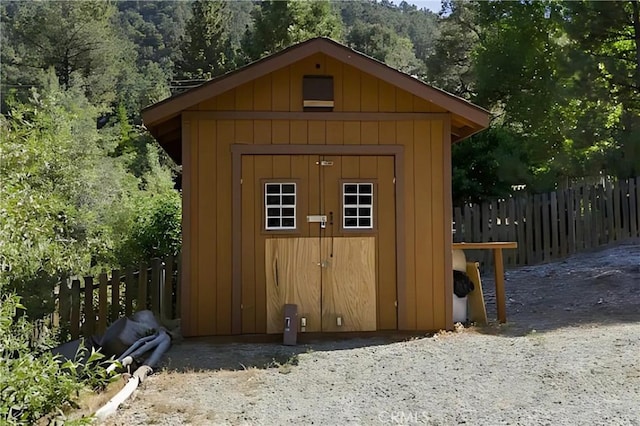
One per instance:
[(605, 44), (206, 47), (385, 45), (450, 67), (279, 24), (76, 39)]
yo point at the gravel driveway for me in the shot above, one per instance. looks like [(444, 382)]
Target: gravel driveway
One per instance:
[(570, 354)]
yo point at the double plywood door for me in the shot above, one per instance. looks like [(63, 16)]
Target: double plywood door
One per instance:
[(319, 232)]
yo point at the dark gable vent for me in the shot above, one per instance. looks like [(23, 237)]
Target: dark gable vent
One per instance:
[(317, 93)]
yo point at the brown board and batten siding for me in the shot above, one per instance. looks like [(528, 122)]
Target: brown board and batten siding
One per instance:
[(209, 235), (235, 133)]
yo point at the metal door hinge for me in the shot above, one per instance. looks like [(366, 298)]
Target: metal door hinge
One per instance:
[(394, 180)]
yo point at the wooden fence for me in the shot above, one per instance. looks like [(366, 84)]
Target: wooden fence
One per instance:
[(554, 225), (88, 305)]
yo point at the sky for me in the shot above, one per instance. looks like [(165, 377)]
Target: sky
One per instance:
[(432, 5)]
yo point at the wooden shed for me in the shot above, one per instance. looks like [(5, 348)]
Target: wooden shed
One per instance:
[(316, 176)]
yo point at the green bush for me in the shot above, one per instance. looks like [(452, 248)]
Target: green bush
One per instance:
[(34, 383)]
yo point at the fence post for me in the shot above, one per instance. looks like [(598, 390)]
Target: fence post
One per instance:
[(633, 208), (102, 302), (616, 212), (555, 241), (167, 306), (142, 288), (546, 227), (178, 286), (624, 194), (156, 265), (89, 316), (74, 327), (562, 222), (63, 302), (129, 291), (115, 295)]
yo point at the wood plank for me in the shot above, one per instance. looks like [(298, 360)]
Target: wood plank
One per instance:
[(624, 206), (115, 294), (130, 289), (386, 97), (249, 212), (262, 132), (179, 286), (318, 132), (64, 303), (154, 288), (74, 326), (597, 195), (440, 236), (459, 225), (404, 101), (89, 316), (368, 93), (292, 276), (263, 169), (521, 230), (617, 214), (223, 224), (351, 88), (386, 245), (262, 93), (404, 134), (209, 159), (141, 302), (348, 289), (586, 211), (168, 289), (244, 97), (555, 241), (562, 222), (546, 228), (610, 225), (280, 132), (633, 209), (571, 222), (476, 220), (280, 85), (103, 281), (369, 133), (537, 228), (298, 133), (334, 133), (529, 229), (512, 234), (502, 219), (335, 69), (351, 163)]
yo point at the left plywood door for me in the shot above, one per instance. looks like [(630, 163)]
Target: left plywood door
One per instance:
[(279, 266)]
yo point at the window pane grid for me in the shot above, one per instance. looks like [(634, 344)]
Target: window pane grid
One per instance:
[(357, 206), (280, 206)]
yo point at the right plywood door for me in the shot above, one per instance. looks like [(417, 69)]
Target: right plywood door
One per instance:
[(358, 244)]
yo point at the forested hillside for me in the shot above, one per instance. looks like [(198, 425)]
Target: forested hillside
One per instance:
[(83, 186)]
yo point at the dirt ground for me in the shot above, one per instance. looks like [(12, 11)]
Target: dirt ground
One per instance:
[(569, 354)]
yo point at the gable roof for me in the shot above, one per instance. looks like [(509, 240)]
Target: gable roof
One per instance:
[(162, 119)]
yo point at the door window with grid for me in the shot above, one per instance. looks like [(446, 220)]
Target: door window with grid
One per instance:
[(280, 206), (357, 205)]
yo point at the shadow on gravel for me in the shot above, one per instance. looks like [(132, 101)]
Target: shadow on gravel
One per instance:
[(597, 288), (203, 354)]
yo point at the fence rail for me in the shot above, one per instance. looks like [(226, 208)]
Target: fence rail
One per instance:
[(88, 305), (554, 225)]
